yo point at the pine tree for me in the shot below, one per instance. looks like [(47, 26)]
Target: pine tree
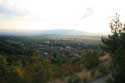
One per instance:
[(114, 44)]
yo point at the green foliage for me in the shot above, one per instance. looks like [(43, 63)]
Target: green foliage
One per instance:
[(114, 45), (36, 71), (7, 72), (90, 59), (57, 58), (27, 60)]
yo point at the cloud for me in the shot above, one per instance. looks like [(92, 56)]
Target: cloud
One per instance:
[(6, 9), (88, 12), (21, 12)]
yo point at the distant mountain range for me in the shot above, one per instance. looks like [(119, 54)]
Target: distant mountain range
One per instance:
[(48, 32), (64, 32)]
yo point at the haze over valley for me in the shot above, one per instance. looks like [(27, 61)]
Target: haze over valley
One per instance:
[(62, 41)]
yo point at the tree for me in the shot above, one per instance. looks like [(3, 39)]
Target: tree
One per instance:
[(90, 59), (115, 45), (39, 70)]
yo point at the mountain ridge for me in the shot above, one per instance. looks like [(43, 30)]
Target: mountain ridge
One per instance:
[(48, 32)]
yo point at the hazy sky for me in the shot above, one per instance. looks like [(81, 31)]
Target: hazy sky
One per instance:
[(86, 15)]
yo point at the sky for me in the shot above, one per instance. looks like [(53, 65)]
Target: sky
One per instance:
[(84, 15)]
